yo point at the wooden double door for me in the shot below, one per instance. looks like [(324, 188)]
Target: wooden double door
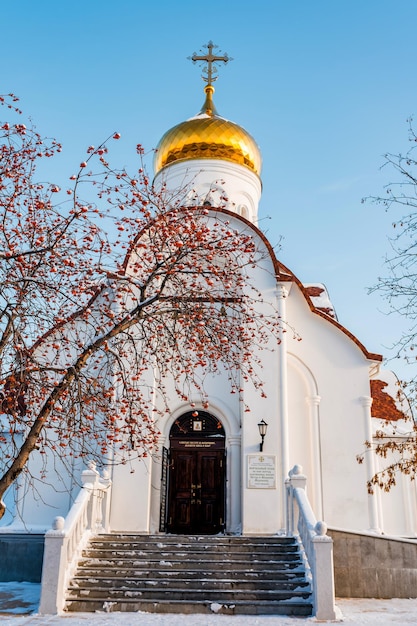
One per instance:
[(196, 492)]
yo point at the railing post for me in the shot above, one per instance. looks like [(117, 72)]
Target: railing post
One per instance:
[(295, 479), (90, 479), (53, 575), (323, 588), (289, 509), (318, 546), (106, 485)]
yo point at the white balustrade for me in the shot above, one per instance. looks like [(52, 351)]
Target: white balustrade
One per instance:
[(89, 515), (317, 545)]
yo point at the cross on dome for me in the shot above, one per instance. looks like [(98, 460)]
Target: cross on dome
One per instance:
[(207, 135), (210, 59)]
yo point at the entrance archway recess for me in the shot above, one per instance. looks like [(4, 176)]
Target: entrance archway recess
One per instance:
[(197, 472)]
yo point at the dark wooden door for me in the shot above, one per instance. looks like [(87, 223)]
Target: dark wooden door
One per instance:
[(196, 491)]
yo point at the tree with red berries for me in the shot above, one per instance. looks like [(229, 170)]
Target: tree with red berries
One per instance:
[(111, 292)]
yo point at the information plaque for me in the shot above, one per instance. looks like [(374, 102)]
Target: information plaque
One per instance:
[(261, 471)]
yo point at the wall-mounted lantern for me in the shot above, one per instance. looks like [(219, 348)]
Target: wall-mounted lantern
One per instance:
[(263, 426)]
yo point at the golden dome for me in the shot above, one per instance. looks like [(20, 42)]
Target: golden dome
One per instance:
[(208, 136)]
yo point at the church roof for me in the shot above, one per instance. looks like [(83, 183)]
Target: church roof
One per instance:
[(315, 294), (312, 293), (321, 299), (286, 275), (383, 404)]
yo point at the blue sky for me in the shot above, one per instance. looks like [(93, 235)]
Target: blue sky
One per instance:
[(324, 86)]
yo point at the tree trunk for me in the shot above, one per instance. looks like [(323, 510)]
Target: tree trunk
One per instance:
[(29, 444)]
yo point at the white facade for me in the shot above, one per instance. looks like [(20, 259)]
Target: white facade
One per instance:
[(317, 406)]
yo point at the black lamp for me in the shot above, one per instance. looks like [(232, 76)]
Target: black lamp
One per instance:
[(262, 431)]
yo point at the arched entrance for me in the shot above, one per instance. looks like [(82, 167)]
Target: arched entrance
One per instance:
[(197, 471)]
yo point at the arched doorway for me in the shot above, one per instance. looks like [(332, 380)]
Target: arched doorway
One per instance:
[(197, 471)]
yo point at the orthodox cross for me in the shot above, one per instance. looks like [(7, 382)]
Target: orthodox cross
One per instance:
[(210, 59)]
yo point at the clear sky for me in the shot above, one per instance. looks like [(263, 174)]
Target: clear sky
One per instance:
[(324, 86)]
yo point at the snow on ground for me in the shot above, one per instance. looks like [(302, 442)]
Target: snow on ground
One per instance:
[(19, 603), (19, 598)]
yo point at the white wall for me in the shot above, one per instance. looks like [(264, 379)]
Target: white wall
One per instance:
[(213, 180), (340, 372), (130, 504)]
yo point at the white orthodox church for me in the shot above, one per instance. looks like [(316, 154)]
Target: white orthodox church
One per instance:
[(208, 475)]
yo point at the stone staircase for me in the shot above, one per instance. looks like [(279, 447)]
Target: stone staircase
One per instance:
[(191, 574)]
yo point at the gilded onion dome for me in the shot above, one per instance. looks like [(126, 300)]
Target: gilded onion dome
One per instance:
[(208, 136)]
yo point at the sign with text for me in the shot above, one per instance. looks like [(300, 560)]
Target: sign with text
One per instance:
[(197, 443), (261, 471)]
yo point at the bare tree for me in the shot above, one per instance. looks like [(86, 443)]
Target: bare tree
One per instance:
[(398, 448), (100, 298)]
